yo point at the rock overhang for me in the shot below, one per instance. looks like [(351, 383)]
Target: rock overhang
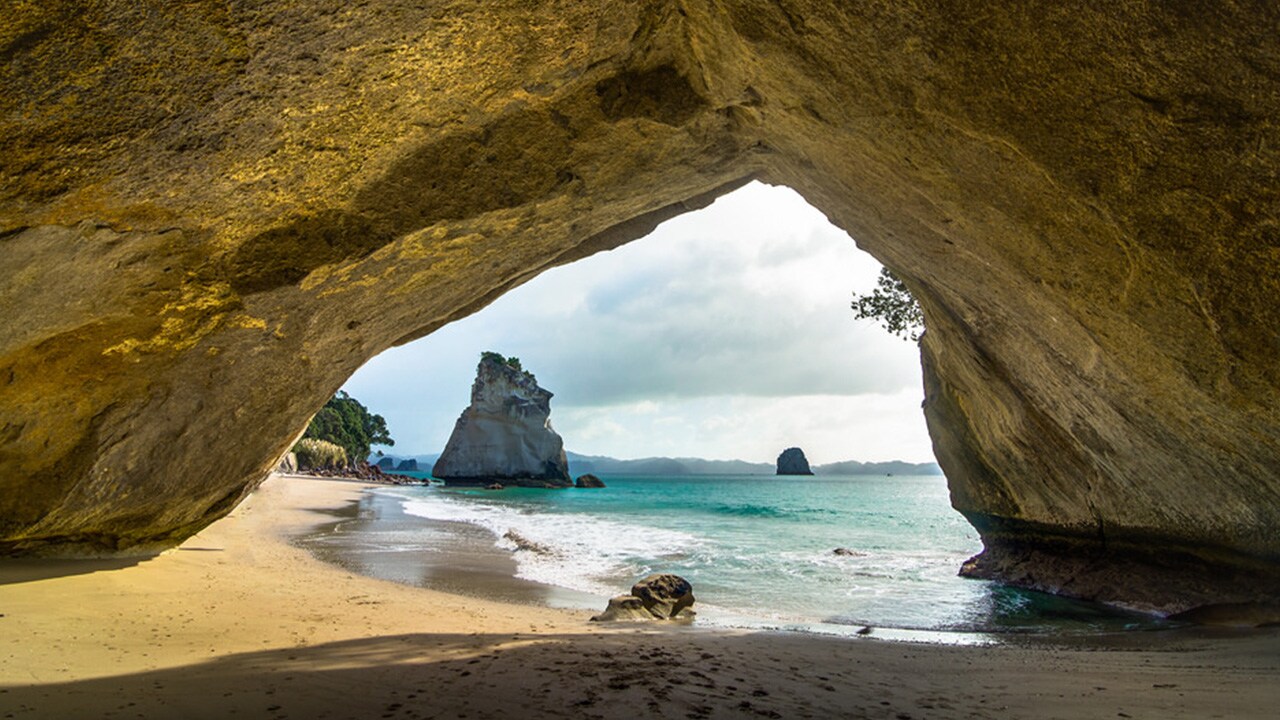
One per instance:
[(1083, 202)]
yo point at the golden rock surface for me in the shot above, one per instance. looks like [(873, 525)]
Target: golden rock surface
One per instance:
[(211, 214)]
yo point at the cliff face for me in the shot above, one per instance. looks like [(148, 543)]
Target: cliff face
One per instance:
[(793, 462), (257, 200), (504, 434)]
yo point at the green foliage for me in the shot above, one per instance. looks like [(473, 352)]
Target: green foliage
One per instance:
[(316, 454), (511, 362), (343, 421), (892, 305)]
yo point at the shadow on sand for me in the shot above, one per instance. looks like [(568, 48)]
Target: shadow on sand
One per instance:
[(680, 674), (21, 570)]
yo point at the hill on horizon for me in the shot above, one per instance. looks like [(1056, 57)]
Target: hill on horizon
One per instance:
[(664, 466)]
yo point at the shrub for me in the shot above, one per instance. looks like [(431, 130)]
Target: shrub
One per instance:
[(512, 362), (316, 454)]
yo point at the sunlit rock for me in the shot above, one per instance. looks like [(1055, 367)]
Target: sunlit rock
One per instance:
[(661, 596), (505, 433), (255, 201)]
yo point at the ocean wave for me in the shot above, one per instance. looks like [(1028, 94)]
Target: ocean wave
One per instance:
[(578, 551), (769, 511)]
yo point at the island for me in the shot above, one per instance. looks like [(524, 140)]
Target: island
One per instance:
[(504, 436), (793, 462)]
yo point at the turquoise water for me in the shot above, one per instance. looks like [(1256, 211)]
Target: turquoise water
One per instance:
[(759, 549)]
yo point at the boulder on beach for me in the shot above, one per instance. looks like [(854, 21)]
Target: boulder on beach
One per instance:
[(661, 596), (288, 463), (588, 481), (505, 434), (623, 608), (793, 462)]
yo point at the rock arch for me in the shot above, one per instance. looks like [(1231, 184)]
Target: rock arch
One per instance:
[(211, 216)]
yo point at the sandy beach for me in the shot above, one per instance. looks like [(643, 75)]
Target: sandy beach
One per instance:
[(238, 622)]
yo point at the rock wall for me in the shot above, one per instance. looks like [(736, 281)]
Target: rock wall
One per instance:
[(505, 433), (212, 214)]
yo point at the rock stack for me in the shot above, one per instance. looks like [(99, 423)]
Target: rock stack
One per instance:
[(792, 462), (505, 435)]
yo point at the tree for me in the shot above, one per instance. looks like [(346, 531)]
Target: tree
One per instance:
[(343, 421), (892, 305)]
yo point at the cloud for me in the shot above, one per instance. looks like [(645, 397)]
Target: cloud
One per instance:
[(829, 428), (731, 312)]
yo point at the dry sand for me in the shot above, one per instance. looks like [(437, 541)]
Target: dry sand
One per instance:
[(239, 623)]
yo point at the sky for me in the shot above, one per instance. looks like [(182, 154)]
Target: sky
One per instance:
[(726, 333)]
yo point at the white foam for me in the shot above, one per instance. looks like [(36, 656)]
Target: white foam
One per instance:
[(588, 553)]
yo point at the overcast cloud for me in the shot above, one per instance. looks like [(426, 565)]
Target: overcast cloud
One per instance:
[(726, 333)]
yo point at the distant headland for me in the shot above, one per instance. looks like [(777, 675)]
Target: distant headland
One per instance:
[(604, 465)]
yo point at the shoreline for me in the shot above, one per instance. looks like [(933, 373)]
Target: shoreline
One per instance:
[(453, 557), (464, 559), (239, 619)]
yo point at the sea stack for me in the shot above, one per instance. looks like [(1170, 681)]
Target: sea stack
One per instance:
[(505, 434), (792, 462)]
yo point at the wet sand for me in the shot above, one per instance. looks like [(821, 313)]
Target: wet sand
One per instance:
[(375, 537), (241, 622)]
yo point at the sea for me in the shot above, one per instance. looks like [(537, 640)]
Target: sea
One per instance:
[(760, 551)]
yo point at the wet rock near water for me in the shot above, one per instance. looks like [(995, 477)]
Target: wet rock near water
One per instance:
[(657, 597), (523, 543), (367, 473), (846, 552), (588, 481)]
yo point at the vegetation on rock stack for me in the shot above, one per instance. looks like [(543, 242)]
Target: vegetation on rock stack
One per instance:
[(892, 305), (316, 454), (511, 362), (343, 421)]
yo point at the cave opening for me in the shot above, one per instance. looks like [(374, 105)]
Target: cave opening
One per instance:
[(725, 335)]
